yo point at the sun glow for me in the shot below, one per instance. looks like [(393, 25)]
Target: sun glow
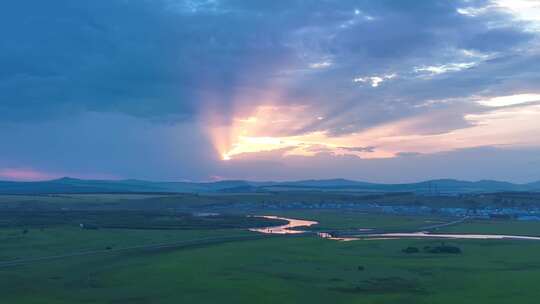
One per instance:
[(286, 129), (275, 129)]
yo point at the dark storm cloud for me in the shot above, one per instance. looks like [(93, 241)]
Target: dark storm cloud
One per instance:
[(162, 59), (142, 58)]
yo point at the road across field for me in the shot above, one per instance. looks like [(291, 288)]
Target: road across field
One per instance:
[(180, 244)]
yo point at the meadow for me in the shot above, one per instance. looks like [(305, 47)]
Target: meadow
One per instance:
[(285, 269), (229, 264)]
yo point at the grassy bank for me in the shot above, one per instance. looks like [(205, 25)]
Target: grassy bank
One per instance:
[(286, 270)]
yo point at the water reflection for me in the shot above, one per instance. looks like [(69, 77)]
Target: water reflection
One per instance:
[(424, 234), (294, 223), (284, 229)]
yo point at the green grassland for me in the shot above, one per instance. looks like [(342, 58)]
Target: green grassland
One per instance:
[(527, 228), (285, 270), (195, 200), (217, 260), (60, 240), (353, 220)]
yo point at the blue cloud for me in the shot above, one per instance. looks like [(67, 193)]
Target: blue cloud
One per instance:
[(163, 63)]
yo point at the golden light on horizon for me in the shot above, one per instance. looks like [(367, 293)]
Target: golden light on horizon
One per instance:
[(271, 128), (494, 128), (274, 128)]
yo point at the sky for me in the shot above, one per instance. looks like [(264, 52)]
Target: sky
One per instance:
[(184, 90)]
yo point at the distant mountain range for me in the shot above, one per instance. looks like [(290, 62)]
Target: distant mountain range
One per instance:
[(73, 185)]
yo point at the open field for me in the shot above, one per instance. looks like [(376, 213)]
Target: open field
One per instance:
[(288, 270), (289, 199), (151, 254), (531, 228), (62, 240), (353, 220)]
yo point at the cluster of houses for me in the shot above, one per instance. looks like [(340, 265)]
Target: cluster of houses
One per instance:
[(525, 214)]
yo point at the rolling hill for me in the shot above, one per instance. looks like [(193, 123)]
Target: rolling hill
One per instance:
[(73, 185)]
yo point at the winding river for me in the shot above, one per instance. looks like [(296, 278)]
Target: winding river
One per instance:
[(293, 224), (284, 229), (424, 234)]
